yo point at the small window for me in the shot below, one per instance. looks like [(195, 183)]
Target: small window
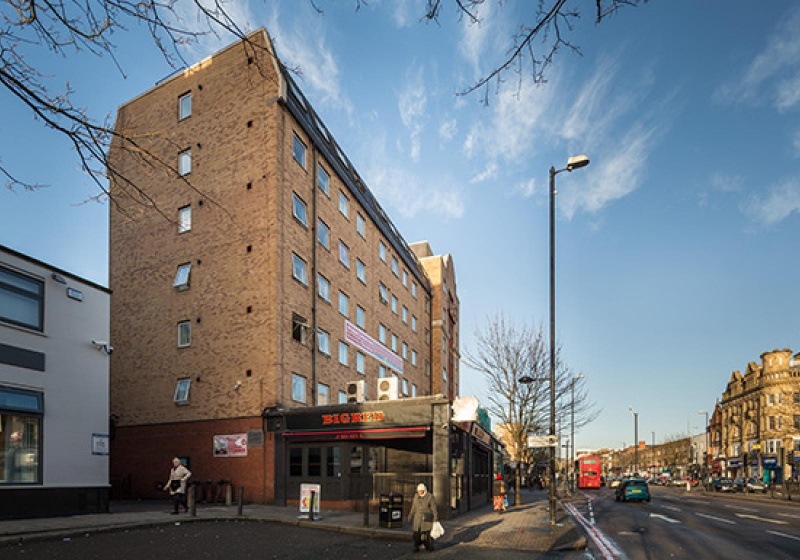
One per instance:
[(394, 343), (383, 292), (344, 304), (185, 162), (394, 304), (184, 106), (361, 363), (382, 251), (343, 354), (361, 317), (382, 333), (300, 210), (361, 225), (184, 219), (344, 205), (182, 391), (324, 342), (361, 271), (404, 351), (299, 328), (414, 289), (342, 400), (323, 394), (323, 234), (296, 458), (405, 386), (344, 254), (299, 151), (298, 389), (404, 314), (21, 300), (299, 269), (381, 371), (323, 288), (181, 282), (323, 180), (413, 357), (414, 390), (395, 266), (414, 323), (184, 334), (405, 278)]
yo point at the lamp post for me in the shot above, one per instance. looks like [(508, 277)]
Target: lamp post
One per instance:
[(635, 440), (705, 453), (572, 432), (575, 162)]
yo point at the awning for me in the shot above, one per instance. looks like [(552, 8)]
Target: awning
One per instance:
[(404, 432)]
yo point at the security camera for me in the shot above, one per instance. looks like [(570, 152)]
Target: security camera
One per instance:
[(104, 346), (108, 348), (99, 343)]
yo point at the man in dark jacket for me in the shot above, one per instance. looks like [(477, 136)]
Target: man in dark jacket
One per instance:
[(422, 516)]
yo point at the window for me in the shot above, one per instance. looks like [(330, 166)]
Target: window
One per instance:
[(414, 289), (770, 400), (184, 219), (382, 333), (414, 323), (323, 393), (324, 234), (324, 342), (394, 343), (395, 266), (413, 357), (182, 391), (344, 304), (404, 314), (361, 362), (361, 317), (361, 271), (796, 398), (444, 375), (323, 288), (361, 225), (299, 151), (414, 390), (344, 254), (21, 300), (20, 443), (404, 350), (184, 334), (332, 462), (315, 460), (342, 400), (405, 278), (182, 277), (323, 180), (184, 106), (773, 446), (382, 251), (185, 162), (381, 371), (405, 386), (299, 269), (394, 304), (296, 461), (344, 204), (300, 210), (299, 328), (298, 388), (383, 292), (343, 357)]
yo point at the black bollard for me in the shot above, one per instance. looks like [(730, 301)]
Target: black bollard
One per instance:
[(311, 506), (366, 510), (241, 500), (193, 499)]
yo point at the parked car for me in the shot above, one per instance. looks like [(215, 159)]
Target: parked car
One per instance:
[(755, 485), (615, 482), (722, 484), (739, 484), (632, 489)]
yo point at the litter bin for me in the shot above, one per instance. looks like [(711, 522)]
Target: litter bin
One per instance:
[(391, 511)]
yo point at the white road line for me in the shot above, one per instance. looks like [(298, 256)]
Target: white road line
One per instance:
[(664, 517), (792, 515), (670, 508), (608, 550), (764, 519), (784, 535), (716, 518), (741, 508)]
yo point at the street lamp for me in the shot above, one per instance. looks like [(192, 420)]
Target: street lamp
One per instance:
[(575, 162), (705, 453), (572, 433), (635, 440)]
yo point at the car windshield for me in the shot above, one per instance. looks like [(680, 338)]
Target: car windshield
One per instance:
[(640, 483)]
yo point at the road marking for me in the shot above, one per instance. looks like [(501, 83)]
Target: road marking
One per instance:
[(741, 508), (793, 516), (607, 549), (764, 519), (671, 508), (784, 535), (664, 517), (717, 518)]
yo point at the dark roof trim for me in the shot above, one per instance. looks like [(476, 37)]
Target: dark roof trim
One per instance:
[(52, 268)]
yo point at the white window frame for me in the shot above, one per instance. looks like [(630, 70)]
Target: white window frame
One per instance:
[(324, 342), (344, 254), (361, 225), (395, 267), (361, 317), (361, 363), (342, 397), (394, 304), (344, 353), (182, 387), (414, 323), (323, 234), (299, 209), (394, 342), (323, 180), (414, 289), (323, 288), (182, 276), (382, 251), (344, 304), (299, 150), (382, 332), (383, 292), (405, 278), (184, 334), (344, 205), (185, 218), (404, 314), (185, 162), (361, 271), (185, 106), (298, 388), (323, 394), (300, 274), (413, 357)]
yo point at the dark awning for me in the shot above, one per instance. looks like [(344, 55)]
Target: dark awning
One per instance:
[(403, 432)]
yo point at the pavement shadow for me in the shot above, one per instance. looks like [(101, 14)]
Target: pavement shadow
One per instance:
[(470, 533)]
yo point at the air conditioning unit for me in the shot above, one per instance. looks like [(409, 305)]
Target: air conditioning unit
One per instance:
[(357, 391), (388, 389)]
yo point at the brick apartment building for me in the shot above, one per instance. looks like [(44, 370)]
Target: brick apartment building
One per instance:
[(259, 275)]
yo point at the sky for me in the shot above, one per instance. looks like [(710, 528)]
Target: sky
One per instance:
[(676, 248)]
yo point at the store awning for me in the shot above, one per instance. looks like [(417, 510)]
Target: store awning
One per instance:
[(404, 432)]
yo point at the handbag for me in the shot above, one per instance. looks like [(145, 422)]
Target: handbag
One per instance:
[(427, 516), (437, 530), (174, 485)]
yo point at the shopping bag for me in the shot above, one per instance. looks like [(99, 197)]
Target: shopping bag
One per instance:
[(437, 530)]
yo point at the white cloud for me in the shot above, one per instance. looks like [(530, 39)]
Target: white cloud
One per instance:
[(782, 201), (411, 104), (212, 38), (448, 129), (527, 189), (408, 12), (726, 183), (490, 172), (796, 143)]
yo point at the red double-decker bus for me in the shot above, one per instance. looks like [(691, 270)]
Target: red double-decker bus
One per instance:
[(589, 471)]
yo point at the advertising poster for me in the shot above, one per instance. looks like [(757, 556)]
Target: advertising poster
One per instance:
[(305, 498), (232, 445)]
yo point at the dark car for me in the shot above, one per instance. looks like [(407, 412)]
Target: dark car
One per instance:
[(632, 489), (740, 484), (722, 484)]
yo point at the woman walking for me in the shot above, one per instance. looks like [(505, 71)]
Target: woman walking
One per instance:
[(499, 492), (177, 485), (423, 515)]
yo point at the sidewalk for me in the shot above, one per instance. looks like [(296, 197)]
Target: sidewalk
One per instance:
[(525, 527)]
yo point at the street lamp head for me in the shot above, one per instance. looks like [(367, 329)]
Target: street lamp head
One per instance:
[(526, 379), (576, 162)]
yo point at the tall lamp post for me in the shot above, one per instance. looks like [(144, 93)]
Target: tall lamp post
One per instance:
[(635, 440), (575, 162), (705, 453), (572, 431)]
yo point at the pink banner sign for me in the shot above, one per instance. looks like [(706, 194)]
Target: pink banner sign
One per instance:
[(365, 342), (234, 445)]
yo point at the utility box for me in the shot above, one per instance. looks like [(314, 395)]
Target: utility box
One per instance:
[(391, 511)]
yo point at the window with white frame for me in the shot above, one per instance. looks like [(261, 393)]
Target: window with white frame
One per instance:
[(182, 391), (300, 210), (181, 281), (383, 292), (299, 151), (323, 288), (404, 314), (323, 180), (323, 394), (344, 304), (361, 271), (394, 343), (361, 317), (344, 254), (361, 225), (771, 400), (184, 219), (298, 388), (299, 269), (414, 289), (184, 106), (361, 363), (414, 390), (405, 278), (395, 266), (414, 323), (394, 304), (21, 300), (382, 251), (324, 342), (184, 334), (382, 333), (185, 162), (404, 350), (323, 234), (405, 386), (299, 328), (381, 371), (773, 446), (343, 353), (344, 205), (413, 357), (342, 397)]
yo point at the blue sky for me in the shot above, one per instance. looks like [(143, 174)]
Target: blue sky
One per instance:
[(676, 248)]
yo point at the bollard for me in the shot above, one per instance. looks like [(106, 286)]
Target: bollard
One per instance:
[(228, 493), (193, 499), (366, 510), (311, 506), (241, 500)]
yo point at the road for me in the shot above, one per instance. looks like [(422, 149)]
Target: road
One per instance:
[(677, 524)]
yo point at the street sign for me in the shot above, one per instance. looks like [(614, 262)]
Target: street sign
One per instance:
[(542, 441)]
